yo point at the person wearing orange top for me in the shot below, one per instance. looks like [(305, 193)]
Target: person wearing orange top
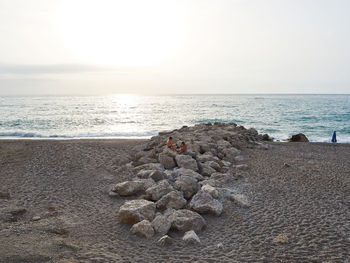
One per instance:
[(183, 148), (169, 143)]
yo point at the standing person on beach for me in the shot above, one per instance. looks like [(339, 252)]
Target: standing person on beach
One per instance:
[(169, 143)]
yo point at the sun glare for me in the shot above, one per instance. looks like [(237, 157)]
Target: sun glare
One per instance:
[(127, 33)]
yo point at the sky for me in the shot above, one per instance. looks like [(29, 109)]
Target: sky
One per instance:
[(90, 47)]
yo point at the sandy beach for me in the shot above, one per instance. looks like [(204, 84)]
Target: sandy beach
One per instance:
[(55, 206)]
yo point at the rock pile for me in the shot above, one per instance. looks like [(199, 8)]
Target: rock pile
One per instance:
[(174, 190)]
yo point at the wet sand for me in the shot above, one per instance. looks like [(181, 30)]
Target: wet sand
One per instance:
[(297, 191)]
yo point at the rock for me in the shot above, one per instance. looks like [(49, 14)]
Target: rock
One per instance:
[(149, 166), (128, 188), (266, 137), (166, 160), (144, 160), (220, 245), (299, 138), (191, 238), (226, 163), (286, 165), (204, 203), (158, 175), (186, 161), (165, 241), (239, 199), (36, 218), (213, 165), (185, 220), (205, 169), (204, 157), (210, 190), (143, 228), (223, 144), (161, 224), (137, 210), (157, 191), (144, 174), (281, 239), (230, 154), (182, 171), (239, 158), (174, 199), (220, 179), (186, 184)]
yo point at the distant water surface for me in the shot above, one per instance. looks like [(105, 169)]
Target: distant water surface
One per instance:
[(135, 116)]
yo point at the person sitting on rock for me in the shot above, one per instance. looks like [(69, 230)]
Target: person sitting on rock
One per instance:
[(169, 143), (183, 148)]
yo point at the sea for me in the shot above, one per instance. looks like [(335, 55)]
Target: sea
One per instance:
[(143, 116)]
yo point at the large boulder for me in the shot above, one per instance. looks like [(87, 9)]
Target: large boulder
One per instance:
[(205, 169), (191, 238), (230, 153), (185, 220), (210, 190), (204, 203), (157, 191), (174, 199), (129, 188), (186, 161), (161, 224), (182, 171), (299, 138), (167, 161), (186, 184), (143, 228), (149, 166), (204, 157), (213, 165), (135, 211)]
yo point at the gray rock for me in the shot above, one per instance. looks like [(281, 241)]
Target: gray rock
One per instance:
[(191, 238), (239, 199), (210, 190), (205, 169), (165, 241), (204, 157), (149, 166), (204, 203), (128, 188), (187, 172), (186, 161), (157, 191), (161, 224), (144, 174), (158, 175), (213, 165), (143, 228), (174, 199), (185, 220), (186, 184), (167, 161), (135, 211)]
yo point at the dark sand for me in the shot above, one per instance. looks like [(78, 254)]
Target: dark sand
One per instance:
[(66, 184)]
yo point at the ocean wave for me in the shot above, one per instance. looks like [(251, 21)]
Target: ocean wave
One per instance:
[(14, 135)]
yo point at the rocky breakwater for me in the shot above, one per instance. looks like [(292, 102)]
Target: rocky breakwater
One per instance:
[(173, 191)]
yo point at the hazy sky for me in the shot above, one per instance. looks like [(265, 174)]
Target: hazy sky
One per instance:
[(200, 46)]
